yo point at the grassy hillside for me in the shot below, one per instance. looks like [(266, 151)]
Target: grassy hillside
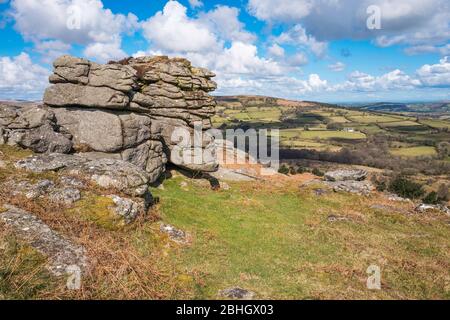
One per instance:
[(271, 237)]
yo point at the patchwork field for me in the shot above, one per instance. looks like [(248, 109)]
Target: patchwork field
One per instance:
[(318, 126)]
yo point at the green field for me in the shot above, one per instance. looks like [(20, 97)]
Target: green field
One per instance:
[(373, 119), (330, 134), (406, 123), (439, 124), (414, 151), (303, 127)]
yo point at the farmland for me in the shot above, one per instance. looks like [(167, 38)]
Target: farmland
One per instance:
[(317, 126)]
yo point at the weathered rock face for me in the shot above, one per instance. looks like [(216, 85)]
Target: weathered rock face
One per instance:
[(134, 108), (107, 173), (34, 128), (116, 125)]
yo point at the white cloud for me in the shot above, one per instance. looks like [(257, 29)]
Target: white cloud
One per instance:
[(406, 22), (280, 10), (51, 49), (215, 39), (436, 75), (314, 83), (297, 36), (172, 30), (20, 78), (242, 58), (362, 82), (224, 22), (49, 20), (442, 50), (276, 51), (195, 4), (297, 60), (337, 67), (105, 51)]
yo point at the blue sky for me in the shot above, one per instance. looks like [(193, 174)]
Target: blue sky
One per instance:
[(302, 49)]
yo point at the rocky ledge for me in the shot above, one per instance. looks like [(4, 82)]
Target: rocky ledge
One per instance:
[(114, 124)]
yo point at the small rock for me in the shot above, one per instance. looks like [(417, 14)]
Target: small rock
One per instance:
[(2, 164), (422, 208), (394, 197), (183, 184), (346, 175), (335, 218), (127, 208), (65, 195), (356, 187), (174, 234), (161, 187), (232, 175), (320, 192), (71, 182), (62, 253), (224, 186), (28, 189), (237, 293)]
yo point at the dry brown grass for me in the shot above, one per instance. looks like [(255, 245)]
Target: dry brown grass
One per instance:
[(118, 270)]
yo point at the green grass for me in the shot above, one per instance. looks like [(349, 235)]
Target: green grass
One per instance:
[(306, 144), (329, 134), (22, 270), (338, 119), (414, 151), (370, 118), (439, 124), (280, 244), (401, 124)]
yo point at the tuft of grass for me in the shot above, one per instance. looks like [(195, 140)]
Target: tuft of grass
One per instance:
[(11, 153), (98, 209), (22, 270)]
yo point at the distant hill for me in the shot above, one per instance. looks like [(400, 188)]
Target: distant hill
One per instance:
[(425, 107)]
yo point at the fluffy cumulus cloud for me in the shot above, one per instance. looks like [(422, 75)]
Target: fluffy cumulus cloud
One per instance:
[(195, 3), (420, 49), (216, 39), (362, 82), (405, 22), (280, 10), (67, 22), (172, 30), (436, 75), (276, 51), (297, 36), (271, 64), (21, 78), (224, 21)]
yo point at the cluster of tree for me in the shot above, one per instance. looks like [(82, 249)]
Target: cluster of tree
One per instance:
[(375, 153), (293, 170), (407, 188)]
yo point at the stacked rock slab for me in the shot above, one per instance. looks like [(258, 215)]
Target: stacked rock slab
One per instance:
[(130, 110)]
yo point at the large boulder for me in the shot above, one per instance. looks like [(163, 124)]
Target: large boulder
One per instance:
[(346, 175), (107, 173), (142, 94)]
